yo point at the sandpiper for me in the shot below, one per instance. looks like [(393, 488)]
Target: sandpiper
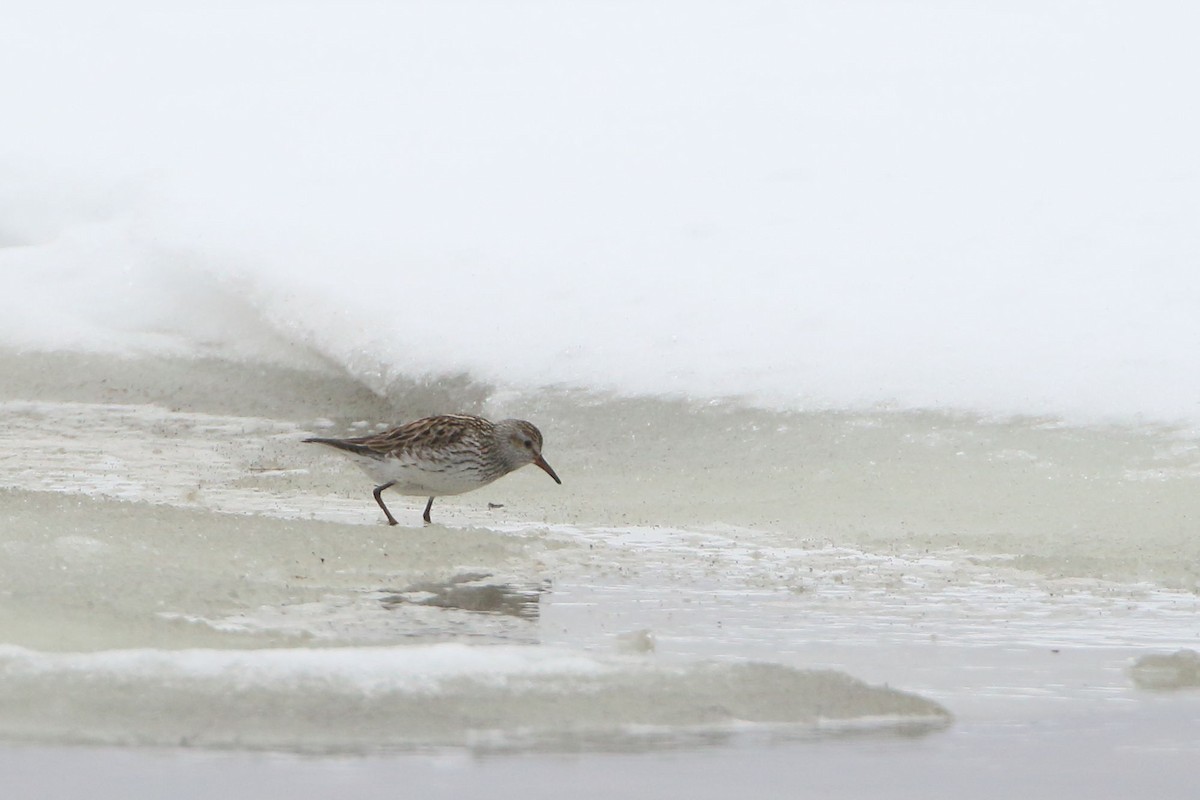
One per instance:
[(443, 455)]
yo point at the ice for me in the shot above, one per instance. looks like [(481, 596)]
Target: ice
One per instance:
[(1164, 672), (355, 699)]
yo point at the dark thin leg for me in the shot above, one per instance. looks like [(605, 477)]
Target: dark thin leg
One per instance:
[(428, 506), (378, 499)]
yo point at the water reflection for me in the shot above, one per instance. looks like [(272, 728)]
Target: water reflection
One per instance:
[(470, 592)]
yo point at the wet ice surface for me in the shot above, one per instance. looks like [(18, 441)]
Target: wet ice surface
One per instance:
[(242, 538), (1149, 750), (329, 700)]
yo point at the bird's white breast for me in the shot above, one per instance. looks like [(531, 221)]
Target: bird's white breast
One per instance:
[(423, 478)]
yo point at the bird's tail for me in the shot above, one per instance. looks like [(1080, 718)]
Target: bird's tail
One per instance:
[(348, 445)]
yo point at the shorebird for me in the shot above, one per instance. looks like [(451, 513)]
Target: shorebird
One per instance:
[(443, 455)]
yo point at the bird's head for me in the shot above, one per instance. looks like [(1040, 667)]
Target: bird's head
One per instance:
[(521, 443)]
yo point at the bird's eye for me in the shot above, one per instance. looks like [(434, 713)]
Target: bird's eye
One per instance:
[(528, 444)]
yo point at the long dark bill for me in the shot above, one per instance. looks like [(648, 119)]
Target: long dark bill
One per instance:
[(541, 462)]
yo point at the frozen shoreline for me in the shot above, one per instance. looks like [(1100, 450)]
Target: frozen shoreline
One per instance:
[(862, 336), (1113, 502), (143, 525)]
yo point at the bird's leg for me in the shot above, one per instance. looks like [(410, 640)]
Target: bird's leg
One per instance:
[(428, 506), (378, 499)]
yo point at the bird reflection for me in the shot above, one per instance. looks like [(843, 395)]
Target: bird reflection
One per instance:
[(469, 592)]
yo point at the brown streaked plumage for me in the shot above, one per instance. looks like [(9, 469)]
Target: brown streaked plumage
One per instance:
[(443, 455)]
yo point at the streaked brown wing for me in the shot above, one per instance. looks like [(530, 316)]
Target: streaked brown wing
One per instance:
[(430, 432)]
